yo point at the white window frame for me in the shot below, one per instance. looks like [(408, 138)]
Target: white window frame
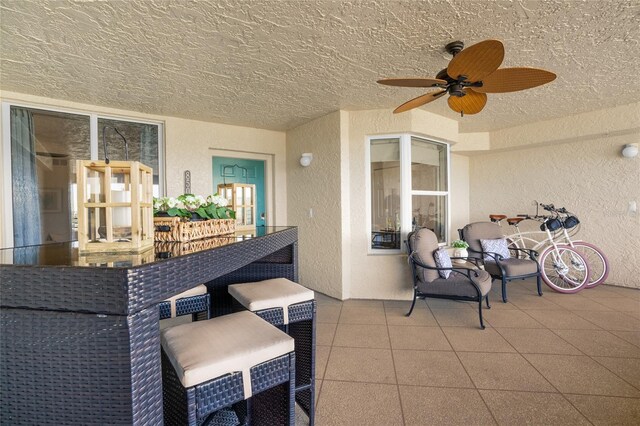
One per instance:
[(406, 191), (6, 221)]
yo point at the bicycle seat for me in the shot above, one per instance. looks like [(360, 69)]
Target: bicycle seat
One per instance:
[(514, 220), (497, 217)]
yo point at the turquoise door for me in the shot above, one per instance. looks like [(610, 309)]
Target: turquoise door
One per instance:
[(239, 170)]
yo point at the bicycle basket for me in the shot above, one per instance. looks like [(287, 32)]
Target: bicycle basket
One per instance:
[(571, 222), (551, 224)]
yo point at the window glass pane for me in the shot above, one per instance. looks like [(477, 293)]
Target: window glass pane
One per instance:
[(430, 211), (44, 147), (385, 193), (428, 165), (142, 144)]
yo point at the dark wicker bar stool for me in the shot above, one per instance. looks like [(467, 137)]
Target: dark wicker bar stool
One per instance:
[(292, 308), (209, 365), (194, 301)]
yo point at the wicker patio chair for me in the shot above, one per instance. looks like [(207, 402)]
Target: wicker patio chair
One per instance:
[(461, 283), (500, 265)]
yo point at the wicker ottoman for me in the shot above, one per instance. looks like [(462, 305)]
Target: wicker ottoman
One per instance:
[(292, 308), (209, 365), (194, 301)]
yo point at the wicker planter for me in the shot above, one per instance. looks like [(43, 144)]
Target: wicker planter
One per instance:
[(177, 229)]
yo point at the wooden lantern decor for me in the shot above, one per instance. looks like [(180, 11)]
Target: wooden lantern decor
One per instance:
[(115, 206)]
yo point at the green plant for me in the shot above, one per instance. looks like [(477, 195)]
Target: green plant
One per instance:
[(186, 205), (459, 244)]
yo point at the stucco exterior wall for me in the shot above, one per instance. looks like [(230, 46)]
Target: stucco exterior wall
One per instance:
[(314, 203), (578, 166), (188, 145)]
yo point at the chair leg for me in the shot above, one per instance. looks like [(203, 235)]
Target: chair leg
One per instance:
[(487, 300), (504, 290), (415, 295), (539, 285), (480, 314)]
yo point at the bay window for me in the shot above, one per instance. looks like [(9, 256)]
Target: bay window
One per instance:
[(409, 189)]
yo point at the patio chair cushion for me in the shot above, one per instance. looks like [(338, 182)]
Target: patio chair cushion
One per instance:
[(269, 294), (424, 242), (457, 285), (195, 291), (443, 260), (203, 350), (497, 246), (474, 232), (512, 267)]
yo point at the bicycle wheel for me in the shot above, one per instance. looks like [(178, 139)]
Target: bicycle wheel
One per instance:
[(563, 269), (597, 261)]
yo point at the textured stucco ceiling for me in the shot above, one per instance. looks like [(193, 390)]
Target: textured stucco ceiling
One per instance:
[(276, 64)]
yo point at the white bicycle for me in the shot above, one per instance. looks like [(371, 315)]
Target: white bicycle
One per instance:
[(562, 267)]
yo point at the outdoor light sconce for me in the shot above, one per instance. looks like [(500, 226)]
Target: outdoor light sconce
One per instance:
[(630, 150), (305, 159)]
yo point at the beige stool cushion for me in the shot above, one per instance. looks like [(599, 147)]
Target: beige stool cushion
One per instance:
[(196, 291), (269, 294), (203, 350)]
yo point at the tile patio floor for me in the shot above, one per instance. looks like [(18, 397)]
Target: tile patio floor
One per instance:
[(557, 359)]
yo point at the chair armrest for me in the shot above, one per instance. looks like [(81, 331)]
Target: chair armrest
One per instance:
[(473, 260), (530, 252), (434, 268)]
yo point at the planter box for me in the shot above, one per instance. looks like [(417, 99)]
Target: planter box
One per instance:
[(177, 229)]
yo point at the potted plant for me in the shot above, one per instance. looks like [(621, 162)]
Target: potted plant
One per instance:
[(460, 250), (191, 217)]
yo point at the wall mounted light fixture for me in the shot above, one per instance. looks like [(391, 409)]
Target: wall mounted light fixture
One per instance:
[(630, 150), (305, 159)]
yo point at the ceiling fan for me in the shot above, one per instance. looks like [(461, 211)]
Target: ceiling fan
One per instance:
[(471, 74)]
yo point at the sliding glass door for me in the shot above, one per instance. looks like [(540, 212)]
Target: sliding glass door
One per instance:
[(40, 175)]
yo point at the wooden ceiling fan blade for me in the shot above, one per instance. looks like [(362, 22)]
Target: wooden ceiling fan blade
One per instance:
[(419, 101), (514, 79), (471, 103), (412, 82), (477, 61)]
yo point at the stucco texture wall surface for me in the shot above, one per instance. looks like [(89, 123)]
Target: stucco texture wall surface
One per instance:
[(589, 177), (314, 202)]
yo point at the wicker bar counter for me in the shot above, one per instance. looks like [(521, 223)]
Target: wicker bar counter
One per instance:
[(79, 338)]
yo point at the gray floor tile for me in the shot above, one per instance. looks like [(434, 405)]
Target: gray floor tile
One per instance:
[(325, 333), (602, 410), (476, 340), (430, 368), (576, 302), (322, 356), (511, 319), (360, 365), (621, 304), (599, 343), (363, 303), (627, 369), (439, 406), (418, 338), (458, 317), (363, 315), (362, 336), (421, 316), (531, 408), (534, 302), (328, 313), (580, 374), (562, 320), (449, 304), (537, 341), (503, 371), (629, 336), (619, 321), (344, 403)]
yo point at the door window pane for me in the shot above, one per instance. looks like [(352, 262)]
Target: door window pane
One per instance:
[(385, 193), (428, 165)]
